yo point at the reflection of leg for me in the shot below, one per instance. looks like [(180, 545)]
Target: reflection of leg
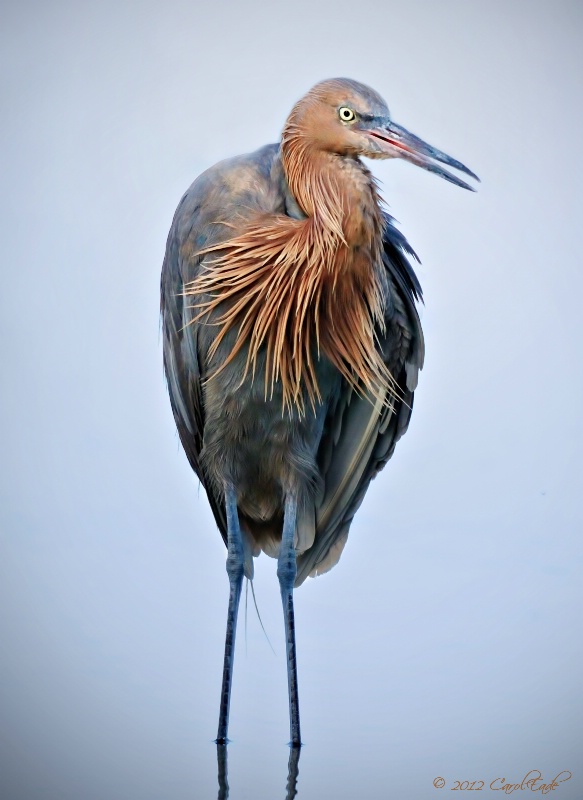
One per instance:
[(235, 573), (222, 765), (293, 768), (286, 572)]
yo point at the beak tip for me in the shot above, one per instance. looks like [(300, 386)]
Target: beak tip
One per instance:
[(412, 148)]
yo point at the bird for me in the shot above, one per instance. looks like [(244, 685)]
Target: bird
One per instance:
[(292, 341)]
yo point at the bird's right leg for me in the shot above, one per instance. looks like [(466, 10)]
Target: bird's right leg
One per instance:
[(235, 559), (286, 573)]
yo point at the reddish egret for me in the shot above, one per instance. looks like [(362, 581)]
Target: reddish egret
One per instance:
[(292, 342)]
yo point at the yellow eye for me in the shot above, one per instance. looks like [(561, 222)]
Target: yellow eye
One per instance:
[(346, 114)]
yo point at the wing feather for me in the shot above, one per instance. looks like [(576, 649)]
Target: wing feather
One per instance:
[(360, 434), (180, 342), (207, 214)]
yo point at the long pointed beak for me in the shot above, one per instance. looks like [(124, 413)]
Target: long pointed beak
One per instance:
[(395, 141)]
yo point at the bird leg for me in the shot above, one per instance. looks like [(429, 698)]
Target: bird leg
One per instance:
[(286, 573), (293, 769), (235, 559), (223, 770)]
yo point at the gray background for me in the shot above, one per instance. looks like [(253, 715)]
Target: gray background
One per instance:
[(448, 640)]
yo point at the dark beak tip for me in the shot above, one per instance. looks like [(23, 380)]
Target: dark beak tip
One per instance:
[(464, 185), (414, 149)]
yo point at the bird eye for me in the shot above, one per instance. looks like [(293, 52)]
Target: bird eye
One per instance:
[(346, 114)]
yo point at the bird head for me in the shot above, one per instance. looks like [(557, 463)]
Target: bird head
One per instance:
[(348, 118)]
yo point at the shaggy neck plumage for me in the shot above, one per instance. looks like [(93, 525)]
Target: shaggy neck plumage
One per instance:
[(299, 287), (337, 192)]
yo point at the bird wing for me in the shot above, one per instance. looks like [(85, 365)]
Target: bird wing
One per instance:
[(180, 345), (208, 213), (360, 433)]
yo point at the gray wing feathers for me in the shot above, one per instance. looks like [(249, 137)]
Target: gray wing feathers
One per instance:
[(360, 434), (204, 216), (344, 485), (181, 360)]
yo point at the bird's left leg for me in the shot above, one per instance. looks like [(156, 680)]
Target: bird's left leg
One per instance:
[(235, 564), (286, 572)]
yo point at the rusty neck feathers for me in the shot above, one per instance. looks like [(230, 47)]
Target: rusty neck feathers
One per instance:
[(330, 183)]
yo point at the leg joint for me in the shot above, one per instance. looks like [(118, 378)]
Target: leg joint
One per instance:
[(235, 564), (287, 570)]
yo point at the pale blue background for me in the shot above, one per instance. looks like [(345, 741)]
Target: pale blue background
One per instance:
[(448, 640)]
